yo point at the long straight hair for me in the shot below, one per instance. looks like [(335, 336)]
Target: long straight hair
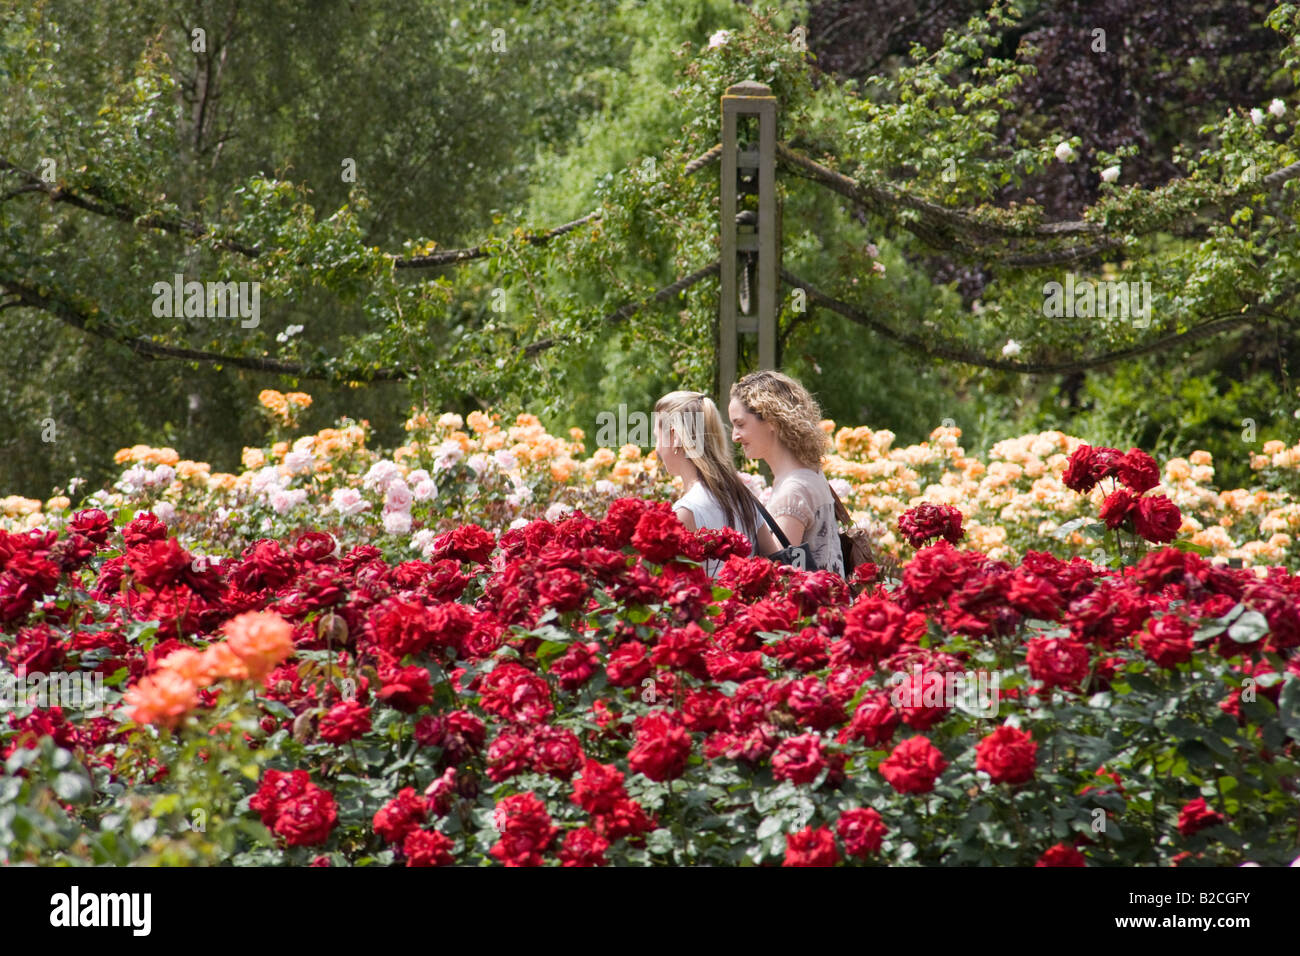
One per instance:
[(694, 418)]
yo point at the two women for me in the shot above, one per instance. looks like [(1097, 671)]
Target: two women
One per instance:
[(773, 419)]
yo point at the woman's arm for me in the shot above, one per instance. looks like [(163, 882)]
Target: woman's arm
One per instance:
[(791, 507), (685, 516), (792, 526)]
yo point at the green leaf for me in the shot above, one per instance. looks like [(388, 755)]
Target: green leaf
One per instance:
[(1249, 628), (72, 787)]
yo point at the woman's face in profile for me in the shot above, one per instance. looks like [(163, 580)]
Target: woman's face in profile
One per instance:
[(748, 431)]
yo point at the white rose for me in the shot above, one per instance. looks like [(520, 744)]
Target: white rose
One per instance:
[(1277, 108), (1064, 152), (348, 501), (299, 461), (557, 511), (423, 540), (425, 490), (397, 522), (165, 512), (719, 38), (605, 487), (1110, 174), (1257, 116), (505, 460), (1011, 348), (380, 474), (398, 497)]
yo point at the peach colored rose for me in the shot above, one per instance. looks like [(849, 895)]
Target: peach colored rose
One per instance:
[(261, 639), (189, 664), (220, 660), (162, 698)]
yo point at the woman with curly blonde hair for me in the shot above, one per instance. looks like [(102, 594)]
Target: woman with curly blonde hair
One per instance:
[(776, 420)]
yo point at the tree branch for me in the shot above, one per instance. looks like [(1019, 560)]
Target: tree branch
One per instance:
[(931, 346), (68, 313)]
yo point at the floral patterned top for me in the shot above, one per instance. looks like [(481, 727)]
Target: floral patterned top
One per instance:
[(805, 495)]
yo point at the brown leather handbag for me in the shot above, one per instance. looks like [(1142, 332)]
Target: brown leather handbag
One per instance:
[(855, 544)]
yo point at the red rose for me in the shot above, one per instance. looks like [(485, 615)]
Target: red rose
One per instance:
[(263, 564), (1196, 816), (428, 848), (599, 788), (557, 752), (799, 759), (874, 722), (748, 577), (683, 649), (628, 665), (1118, 507), (307, 819), (1057, 661), (913, 766), (619, 524), (401, 815), (93, 523), (1034, 595), (276, 789), (562, 589), (811, 847), (314, 546), (405, 688), (861, 830), (1138, 471), (1089, 465), (400, 627), (874, 627), (813, 704), (576, 665), (144, 527), (583, 847), (658, 536), (1079, 472), (626, 818), (1062, 855), (345, 721), (1008, 755), (662, 746), (1168, 642), (459, 733), (508, 755), (935, 572), (466, 543), (513, 692), (1157, 519), (927, 521), (525, 829)]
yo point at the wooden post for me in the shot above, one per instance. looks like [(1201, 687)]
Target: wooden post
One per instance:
[(751, 171)]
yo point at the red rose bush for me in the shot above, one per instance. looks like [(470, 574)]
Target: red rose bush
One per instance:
[(580, 692)]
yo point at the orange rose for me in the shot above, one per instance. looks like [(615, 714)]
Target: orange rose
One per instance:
[(261, 639), (189, 664), (220, 660), (163, 698)]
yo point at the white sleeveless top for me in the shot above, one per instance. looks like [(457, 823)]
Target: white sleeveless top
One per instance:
[(708, 513)]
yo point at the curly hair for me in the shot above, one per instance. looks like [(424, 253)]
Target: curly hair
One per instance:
[(778, 399)]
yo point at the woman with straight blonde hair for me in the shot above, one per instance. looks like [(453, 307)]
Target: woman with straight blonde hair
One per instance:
[(775, 419), (691, 442)]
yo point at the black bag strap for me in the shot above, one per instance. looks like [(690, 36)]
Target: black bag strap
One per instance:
[(771, 523)]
